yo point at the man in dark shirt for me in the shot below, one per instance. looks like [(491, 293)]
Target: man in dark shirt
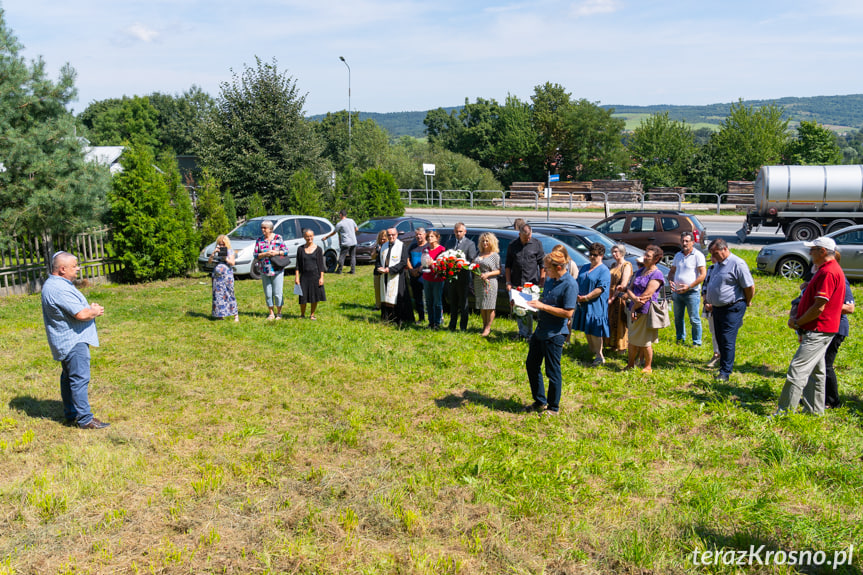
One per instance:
[(524, 265), (459, 286)]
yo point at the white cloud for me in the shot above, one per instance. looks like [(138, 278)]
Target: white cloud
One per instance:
[(142, 32), (592, 7)]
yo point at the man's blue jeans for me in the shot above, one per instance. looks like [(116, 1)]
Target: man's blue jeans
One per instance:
[(727, 321), (73, 385), (550, 351), (687, 303)]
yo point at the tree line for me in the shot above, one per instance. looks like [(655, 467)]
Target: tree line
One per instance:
[(258, 154), (555, 133)]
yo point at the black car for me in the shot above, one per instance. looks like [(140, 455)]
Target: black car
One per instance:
[(504, 238), (581, 239), (406, 226)]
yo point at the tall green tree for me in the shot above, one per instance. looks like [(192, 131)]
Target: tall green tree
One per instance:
[(117, 121), (749, 138), (146, 236), (516, 151), (814, 145), (592, 146), (256, 206), (45, 184), (211, 213), (551, 113), (364, 147), (257, 137), (662, 150), (305, 195), (369, 194), (230, 208), (179, 117), (185, 228)]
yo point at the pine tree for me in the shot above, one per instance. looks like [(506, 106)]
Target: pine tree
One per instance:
[(145, 237), (185, 231), (305, 196), (230, 209), (45, 184)]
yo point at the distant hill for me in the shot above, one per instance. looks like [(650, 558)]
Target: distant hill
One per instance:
[(839, 113)]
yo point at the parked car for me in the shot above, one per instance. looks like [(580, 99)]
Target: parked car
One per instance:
[(290, 228), (791, 259), (368, 232), (581, 239), (659, 227)]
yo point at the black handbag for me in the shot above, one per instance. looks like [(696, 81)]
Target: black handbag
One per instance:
[(280, 262)]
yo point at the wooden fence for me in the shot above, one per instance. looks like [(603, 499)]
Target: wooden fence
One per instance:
[(25, 261)]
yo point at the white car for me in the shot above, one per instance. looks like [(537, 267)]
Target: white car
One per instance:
[(291, 228)]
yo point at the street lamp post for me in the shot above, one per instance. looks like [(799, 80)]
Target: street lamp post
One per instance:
[(342, 58)]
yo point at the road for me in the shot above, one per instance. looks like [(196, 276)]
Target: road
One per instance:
[(724, 227)]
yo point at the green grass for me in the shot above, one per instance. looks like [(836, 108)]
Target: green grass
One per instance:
[(347, 446)]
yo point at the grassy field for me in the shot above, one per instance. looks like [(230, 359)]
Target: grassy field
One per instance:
[(347, 446)]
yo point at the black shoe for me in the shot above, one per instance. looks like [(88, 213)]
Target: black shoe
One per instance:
[(535, 407), (95, 424), (721, 377)]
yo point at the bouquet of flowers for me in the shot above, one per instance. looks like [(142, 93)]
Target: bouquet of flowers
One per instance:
[(528, 288), (449, 263)]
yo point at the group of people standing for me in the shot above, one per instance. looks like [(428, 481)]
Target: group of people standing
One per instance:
[(610, 306), (405, 280)]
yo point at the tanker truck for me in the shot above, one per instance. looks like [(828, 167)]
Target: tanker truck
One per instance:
[(806, 202)]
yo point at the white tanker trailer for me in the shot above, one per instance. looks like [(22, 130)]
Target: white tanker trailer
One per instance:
[(807, 201)]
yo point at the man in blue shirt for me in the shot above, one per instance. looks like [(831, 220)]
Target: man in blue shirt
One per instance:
[(554, 309), (71, 329), (729, 292)]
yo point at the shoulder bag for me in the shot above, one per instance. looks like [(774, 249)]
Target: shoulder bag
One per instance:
[(280, 262), (657, 314)]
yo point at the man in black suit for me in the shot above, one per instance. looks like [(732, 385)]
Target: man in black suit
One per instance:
[(459, 286)]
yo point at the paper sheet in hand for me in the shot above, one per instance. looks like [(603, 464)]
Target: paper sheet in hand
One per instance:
[(520, 299), (298, 290)]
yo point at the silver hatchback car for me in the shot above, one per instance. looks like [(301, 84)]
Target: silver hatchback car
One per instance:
[(291, 228), (791, 259)]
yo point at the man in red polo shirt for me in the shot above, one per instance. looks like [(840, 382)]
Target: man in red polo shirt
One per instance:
[(817, 321)]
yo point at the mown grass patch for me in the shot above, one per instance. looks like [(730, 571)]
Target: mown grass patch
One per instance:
[(344, 445)]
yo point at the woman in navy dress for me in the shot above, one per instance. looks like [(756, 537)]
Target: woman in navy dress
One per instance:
[(591, 316)]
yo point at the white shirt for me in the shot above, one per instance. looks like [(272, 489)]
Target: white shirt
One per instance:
[(686, 267)]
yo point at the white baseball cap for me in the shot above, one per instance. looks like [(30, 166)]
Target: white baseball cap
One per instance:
[(822, 242)]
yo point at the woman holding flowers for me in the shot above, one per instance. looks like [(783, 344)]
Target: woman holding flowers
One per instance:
[(486, 270), (433, 288)]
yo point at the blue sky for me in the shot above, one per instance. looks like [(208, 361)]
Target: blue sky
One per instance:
[(409, 55)]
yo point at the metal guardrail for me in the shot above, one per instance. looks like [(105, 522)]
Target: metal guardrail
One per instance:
[(637, 199)]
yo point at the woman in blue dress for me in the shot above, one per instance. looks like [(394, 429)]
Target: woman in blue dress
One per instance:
[(224, 300), (591, 315)]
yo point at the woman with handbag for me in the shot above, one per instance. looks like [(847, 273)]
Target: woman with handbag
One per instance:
[(643, 293), (270, 245)]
